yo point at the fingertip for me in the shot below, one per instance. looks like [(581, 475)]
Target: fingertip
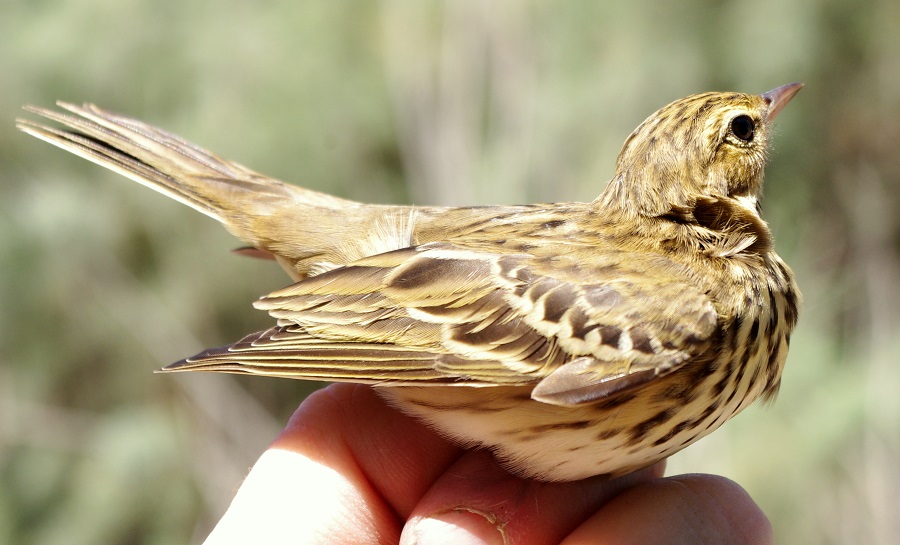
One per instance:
[(740, 516), (688, 509), (351, 428), (477, 501), (460, 526), (273, 506), (323, 415)]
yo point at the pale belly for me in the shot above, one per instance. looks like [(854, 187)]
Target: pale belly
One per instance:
[(614, 436)]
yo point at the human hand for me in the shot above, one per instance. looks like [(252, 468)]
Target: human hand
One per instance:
[(350, 469)]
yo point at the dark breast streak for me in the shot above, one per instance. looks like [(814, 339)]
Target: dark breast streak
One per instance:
[(744, 364)]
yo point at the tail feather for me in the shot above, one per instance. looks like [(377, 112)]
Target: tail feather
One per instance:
[(165, 162), (306, 231)]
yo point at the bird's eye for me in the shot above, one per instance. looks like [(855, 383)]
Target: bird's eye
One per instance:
[(742, 127)]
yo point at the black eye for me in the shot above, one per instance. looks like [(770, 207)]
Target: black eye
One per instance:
[(742, 127)]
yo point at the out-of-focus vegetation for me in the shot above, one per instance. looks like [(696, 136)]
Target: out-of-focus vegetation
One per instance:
[(455, 102)]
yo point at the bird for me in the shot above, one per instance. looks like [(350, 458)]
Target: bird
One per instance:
[(571, 339)]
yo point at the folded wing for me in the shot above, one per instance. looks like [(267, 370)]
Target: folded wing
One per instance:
[(442, 314)]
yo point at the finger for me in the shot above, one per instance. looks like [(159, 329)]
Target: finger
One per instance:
[(349, 424), (686, 509), (478, 502), (346, 469)]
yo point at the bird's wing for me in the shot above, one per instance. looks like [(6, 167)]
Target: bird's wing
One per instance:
[(442, 314)]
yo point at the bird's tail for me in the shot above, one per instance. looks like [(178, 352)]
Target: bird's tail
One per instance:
[(223, 190), (299, 227)]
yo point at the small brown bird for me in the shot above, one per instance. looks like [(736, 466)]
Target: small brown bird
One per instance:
[(572, 339)]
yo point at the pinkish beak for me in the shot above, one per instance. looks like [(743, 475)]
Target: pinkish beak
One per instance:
[(779, 97)]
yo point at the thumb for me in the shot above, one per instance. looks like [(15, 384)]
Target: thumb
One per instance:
[(477, 502)]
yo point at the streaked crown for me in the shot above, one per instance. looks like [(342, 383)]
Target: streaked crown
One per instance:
[(706, 145)]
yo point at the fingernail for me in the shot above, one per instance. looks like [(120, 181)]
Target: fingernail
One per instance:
[(460, 526)]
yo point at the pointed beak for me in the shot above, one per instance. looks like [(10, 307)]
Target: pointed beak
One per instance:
[(779, 97)]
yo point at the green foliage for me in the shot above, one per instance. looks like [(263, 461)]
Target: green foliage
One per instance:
[(436, 103)]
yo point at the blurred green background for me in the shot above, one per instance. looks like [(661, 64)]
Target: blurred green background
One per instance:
[(455, 102)]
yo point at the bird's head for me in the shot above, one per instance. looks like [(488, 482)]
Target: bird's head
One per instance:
[(711, 145)]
